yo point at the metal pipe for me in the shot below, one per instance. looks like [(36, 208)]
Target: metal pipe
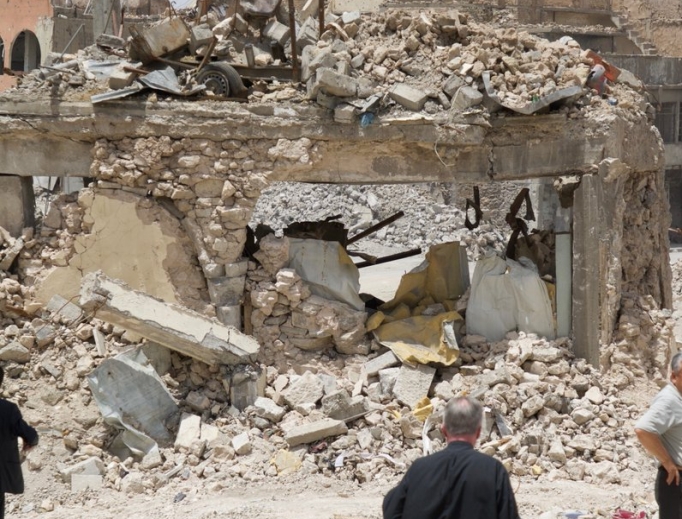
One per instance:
[(392, 257), (376, 227), (292, 31), (71, 41), (320, 16)]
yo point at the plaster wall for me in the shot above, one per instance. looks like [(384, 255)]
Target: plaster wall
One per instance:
[(34, 16)]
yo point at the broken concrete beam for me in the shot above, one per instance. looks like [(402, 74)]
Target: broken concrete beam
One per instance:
[(413, 384), (335, 84), (312, 432), (409, 97), (172, 326), (466, 97), (200, 36), (277, 32), (387, 360)]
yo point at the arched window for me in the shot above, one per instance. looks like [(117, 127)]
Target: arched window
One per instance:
[(25, 52)]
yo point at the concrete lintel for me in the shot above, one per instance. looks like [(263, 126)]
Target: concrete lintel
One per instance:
[(45, 156), (172, 326)]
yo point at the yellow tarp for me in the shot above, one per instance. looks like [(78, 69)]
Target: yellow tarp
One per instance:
[(413, 337)]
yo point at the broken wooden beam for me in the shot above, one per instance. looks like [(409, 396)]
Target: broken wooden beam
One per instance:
[(173, 326)]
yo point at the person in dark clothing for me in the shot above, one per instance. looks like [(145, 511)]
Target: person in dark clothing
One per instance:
[(457, 482), (12, 427)]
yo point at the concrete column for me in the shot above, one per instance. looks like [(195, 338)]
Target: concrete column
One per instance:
[(17, 203), (586, 269)]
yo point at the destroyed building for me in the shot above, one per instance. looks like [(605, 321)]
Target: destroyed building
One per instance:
[(269, 329)]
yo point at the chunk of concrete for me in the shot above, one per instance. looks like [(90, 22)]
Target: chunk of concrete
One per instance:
[(466, 97), (409, 97), (452, 84), (242, 444), (91, 467), (172, 326), (82, 482), (277, 32), (247, 383), (200, 36), (335, 84), (386, 360), (188, 432), (340, 406), (307, 389), (198, 401), (413, 383), (313, 58), (268, 409), (120, 78), (314, 431)]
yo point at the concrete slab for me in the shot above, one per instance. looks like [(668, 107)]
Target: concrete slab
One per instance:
[(188, 432), (366, 6), (312, 432), (177, 328)]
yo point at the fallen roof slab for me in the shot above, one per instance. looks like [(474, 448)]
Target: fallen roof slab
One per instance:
[(174, 327)]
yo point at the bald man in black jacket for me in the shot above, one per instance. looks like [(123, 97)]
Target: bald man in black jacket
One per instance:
[(457, 482), (12, 427)]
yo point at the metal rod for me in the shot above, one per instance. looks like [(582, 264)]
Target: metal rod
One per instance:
[(392, 257), (71, 41), (320, 16), (376, 227), (292, 30)]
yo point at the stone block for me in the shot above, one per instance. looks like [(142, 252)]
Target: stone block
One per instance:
[(344, 114), (45, 334), (188, 432), (120, 78), (327, 101), (276, 31), (172, 326), (242, 444), (81, 482), (308, 34), (17, 204), (408, 97), (413, 383), (15, 352), (466, 97), (386, 360), (311, 432), (307, 389), (268, 409), (335, 84), (200, 36)]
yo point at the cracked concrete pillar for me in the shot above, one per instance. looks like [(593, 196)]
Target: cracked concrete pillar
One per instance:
[(586, 269), (17, 203)]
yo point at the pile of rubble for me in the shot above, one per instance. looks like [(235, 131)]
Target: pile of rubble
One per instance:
[(361, 66), (352, 417)]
